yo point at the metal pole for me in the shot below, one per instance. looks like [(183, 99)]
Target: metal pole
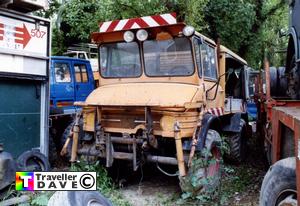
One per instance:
[(179, 150)]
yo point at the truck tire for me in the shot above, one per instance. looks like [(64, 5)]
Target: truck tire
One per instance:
[(52, 151), (78, 198), (273, 81), (279, 184), (282, 82), (293, 72), (33, 160), (238, 144), (205, 172)]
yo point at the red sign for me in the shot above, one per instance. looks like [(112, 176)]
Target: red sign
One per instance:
[(23, 36)]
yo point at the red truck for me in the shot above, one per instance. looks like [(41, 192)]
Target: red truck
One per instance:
[(280, 115)]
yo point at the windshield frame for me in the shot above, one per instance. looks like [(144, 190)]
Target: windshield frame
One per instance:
[(127, 77), (159, 76)]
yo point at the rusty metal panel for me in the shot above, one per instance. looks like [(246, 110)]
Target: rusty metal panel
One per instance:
[(276, 134)]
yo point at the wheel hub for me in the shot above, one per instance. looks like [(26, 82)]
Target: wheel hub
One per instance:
[(287, 198)]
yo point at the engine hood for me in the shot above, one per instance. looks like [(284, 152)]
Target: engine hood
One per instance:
[(145, 94)]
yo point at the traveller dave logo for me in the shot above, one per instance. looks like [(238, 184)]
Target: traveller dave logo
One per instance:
[(53, 181), (24, 181)]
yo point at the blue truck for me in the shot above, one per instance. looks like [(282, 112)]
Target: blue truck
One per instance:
[(71, 79)]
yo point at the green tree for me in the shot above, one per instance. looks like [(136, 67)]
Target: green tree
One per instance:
[(248, 27)]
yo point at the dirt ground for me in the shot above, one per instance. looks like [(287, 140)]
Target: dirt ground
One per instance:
[(160, 190), (240, 185)]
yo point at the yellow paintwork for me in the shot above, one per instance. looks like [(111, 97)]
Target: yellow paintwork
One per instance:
[(123, 100), (89, 116), (145, 94)]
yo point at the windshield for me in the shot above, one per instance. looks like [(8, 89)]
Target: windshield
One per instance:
[(120, 60), (172, 57)]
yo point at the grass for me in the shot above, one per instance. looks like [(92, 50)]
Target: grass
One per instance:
[(104, 182), (235, 179)]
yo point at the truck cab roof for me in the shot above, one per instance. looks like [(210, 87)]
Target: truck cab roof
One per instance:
[(69, 58)]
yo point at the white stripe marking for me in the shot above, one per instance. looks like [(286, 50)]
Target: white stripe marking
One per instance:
[(169, 18), (216, 111), (121, 25), (105, 26), (150, 21), (135, 26), (221, 111)]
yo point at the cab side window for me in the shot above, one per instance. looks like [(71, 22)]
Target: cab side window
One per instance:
[(197, 46), (208, 58), (62, 72), (81, 73), (81, 56)]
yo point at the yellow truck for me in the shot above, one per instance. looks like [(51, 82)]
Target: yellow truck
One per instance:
[(167, 95)]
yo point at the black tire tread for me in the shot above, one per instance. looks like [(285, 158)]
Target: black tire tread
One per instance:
[(280, 176), (23, 158), (237, 154)]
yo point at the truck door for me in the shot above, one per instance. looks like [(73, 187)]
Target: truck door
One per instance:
[(62, 87), (84, 81)]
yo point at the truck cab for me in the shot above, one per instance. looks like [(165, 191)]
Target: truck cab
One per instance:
[(71, 80), (80, 53), (161, 99)]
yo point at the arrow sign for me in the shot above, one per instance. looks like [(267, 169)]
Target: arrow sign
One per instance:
[(22, 36)]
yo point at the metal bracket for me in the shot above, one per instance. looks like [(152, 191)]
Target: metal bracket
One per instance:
[(135, 166), (109, 151)]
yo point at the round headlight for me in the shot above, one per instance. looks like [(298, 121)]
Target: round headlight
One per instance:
[(142, 35), (188, 31), (128, 36)]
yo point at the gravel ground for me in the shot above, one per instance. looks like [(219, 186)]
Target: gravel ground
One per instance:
[(240, 185)]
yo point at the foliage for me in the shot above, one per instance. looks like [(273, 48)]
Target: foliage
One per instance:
[(58, 45), (248, 27), (41, 199), (232, 27)]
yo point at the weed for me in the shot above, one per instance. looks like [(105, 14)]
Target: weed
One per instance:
[(41, 199), (104, 182)]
